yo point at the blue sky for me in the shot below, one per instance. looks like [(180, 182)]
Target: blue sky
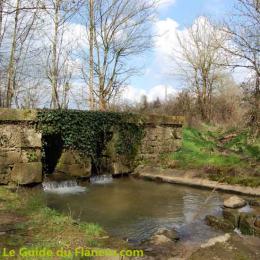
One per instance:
[(173, 15)]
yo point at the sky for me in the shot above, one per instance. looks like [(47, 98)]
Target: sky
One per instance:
[(172, 16)]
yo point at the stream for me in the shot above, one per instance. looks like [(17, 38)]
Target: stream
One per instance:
[(135, 209)]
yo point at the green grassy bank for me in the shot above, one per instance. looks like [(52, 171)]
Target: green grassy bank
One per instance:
[(229, 156), (26, 221)]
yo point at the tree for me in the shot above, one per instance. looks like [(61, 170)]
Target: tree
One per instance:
[(243, 31), (91, 53), (197, 60), (121, 30), (16, 28), (58, 72)]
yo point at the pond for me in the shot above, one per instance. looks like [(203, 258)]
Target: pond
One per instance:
[(134, 209)]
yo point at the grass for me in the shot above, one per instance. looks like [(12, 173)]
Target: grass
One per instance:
[(234, 161), (199, 150), (43, 227)]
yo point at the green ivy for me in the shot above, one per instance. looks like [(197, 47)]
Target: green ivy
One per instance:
[(90, 131)]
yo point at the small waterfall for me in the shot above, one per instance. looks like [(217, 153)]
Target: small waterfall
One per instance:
[(62, 187), (101, 179)]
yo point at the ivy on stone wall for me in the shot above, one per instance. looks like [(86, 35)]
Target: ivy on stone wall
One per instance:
[(90, 131)]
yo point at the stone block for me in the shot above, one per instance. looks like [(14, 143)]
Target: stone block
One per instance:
[(31, 155), (10, 136), (10, 157), (234, 202), (14, 115), (4, 168), (75, 170), (232, 216), (73, 157), (16, 136), (27, 173), (30, 138), (72, 163), (119, 168), (4, 178)]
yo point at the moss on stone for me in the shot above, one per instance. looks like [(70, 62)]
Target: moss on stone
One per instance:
[(15, 115)]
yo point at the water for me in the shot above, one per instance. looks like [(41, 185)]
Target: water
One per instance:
[(246, 209), (101, 179), (64, 187), (135, 209)]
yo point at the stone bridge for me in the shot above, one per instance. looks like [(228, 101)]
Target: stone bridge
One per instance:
[(21, 148)]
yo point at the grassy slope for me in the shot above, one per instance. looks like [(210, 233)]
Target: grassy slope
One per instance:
[(40, 226), (235, 161)]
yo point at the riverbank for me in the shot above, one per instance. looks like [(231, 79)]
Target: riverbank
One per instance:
[(26, 221), (190, 178), (228, 156)]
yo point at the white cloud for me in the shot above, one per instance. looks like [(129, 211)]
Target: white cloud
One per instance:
[(76, 34), (166, 31), (165, 3)]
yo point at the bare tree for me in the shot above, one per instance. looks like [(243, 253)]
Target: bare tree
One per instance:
[(243, 30), (57, 70), (121, 30), (91, 53), (197, 58), (20, 25)]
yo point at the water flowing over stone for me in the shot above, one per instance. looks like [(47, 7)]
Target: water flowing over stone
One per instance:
[(63, 187), (101, 179)]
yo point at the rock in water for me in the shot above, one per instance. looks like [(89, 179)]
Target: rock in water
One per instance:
[(219, 223), (171, 234), (234, 202), (159, 240), (232, 215)]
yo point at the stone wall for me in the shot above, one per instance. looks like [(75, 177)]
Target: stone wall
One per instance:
[(20, 148), (159, 139), (162, 134)]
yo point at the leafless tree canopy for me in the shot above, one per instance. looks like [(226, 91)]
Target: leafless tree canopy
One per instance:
[(40, 60), (121, 29), (82, 53), (243, 30), (197, 60)]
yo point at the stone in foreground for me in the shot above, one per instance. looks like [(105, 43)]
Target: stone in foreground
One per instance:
[(234, 202), (171, 234)]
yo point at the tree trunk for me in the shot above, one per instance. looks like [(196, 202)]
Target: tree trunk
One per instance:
[(91, 54), (54, 74), (257, 100), (1, 25), (11, 66)]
